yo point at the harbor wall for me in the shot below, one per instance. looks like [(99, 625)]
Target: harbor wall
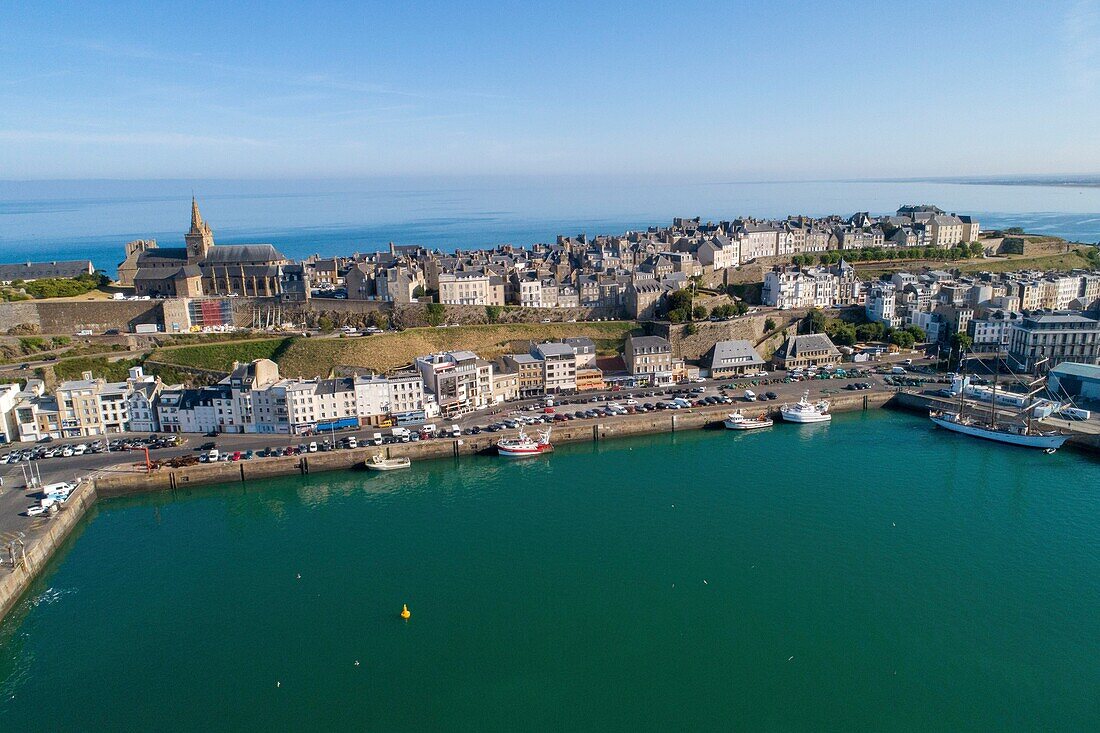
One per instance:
[(14, 583), (130, 482)]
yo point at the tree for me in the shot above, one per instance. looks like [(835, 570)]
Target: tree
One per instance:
[(691, 329), (817, 321), (325, 323), (843, 334), (976, 249), (492, 313), (917, 332), (699, 313), (679, 315), (419, 291), (873, 331), (436, 314), (678, 300), (902, 339), (769, 325)]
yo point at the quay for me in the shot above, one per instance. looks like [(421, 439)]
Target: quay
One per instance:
[(50, 536)]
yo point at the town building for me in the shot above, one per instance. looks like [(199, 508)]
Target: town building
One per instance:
[(734, 358), (1057, 337), (806, 350)]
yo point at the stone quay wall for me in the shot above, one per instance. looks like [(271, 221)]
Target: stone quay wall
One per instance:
[(169, 479), (17, 581)]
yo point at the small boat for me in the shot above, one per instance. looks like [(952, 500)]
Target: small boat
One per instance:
[(737, 421), (378, 463), (523, 445), (805, 411)]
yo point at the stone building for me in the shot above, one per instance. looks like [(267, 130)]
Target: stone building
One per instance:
[(202, 268)]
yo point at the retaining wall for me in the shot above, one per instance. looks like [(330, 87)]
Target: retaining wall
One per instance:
[(135, 482), (40, 550)]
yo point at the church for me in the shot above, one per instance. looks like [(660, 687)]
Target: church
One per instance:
[(202, 268)]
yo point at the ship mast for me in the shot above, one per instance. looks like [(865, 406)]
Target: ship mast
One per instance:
[(993, 404)]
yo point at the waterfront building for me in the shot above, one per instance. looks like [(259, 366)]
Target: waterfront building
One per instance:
[(505, 386), (460, 380), (36, 413), (649, 356), (1057, 337), (9, 398), (806, 350), (141, 402), (1080, 382), (529, 373), (559, 367), (734, 358)]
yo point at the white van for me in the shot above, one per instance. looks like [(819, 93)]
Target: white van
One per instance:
[(353, 442), (212, 456), (456, 431), (376, 439), (750, 396), (429, 429)]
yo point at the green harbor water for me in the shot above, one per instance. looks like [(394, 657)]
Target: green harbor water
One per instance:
[(872, 574)]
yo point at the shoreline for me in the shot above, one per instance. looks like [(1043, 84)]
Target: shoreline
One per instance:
[(15, 584)]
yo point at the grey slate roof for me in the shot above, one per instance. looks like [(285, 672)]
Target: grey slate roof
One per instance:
[(40, 270), (734, 353), (796, 346)]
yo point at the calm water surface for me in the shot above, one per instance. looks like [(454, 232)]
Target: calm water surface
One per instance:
[(871, 574), (77, 219)]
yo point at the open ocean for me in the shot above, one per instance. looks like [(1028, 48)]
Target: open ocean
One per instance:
[(48, 220), (872, 574)]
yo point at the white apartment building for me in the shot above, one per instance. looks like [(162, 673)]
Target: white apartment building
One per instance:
[(460, 380), (559, 364), (469, 288), (882, 306)]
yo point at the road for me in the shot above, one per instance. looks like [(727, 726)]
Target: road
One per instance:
[(15, 497)]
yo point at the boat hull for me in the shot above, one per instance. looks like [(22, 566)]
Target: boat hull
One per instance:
[(1026, 441), (388, 466), (523, 452), (747, 424), (801, 417)]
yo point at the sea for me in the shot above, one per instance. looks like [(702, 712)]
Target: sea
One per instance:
[(55, 220), (874, 573)]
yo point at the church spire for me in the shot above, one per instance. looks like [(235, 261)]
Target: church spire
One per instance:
[(196, 217)]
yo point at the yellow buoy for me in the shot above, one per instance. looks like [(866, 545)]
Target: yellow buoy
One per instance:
[(405, 611)]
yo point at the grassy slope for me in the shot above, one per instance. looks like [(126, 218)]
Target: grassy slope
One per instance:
[(306, 357), (221, 355), (309, 357), (1067, 261)]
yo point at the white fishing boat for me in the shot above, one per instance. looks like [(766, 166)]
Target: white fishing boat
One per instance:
[(523, 445), (1020, 429), (378, 463), (805, 411), (737, 421)]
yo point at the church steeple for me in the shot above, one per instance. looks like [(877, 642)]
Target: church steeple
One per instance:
[(196, 217), (200, 239)]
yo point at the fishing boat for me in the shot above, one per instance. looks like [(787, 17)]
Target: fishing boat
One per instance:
[(737, 421), (805, 411), (524, 445), (378, 463), (1018, 429)]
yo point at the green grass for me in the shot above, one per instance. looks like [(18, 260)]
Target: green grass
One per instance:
[(112, 371), (220, 356)]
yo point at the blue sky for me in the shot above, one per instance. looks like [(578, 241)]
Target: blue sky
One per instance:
[(738, 90)]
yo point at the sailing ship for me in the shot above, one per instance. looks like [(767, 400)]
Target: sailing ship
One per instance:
[(524, 445), (1021, 431)]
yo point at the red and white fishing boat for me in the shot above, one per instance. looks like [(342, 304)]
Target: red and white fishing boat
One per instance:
[(523, 445)]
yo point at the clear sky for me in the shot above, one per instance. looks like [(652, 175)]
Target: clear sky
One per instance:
[(742, 90)]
